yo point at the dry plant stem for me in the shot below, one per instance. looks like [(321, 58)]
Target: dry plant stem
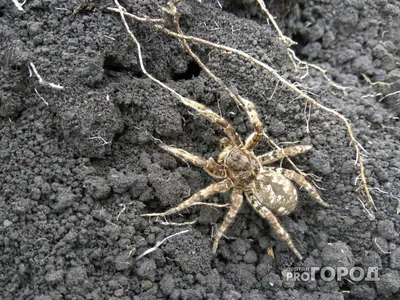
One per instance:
[(293, 57), (159, 244), (18, 5), (166, 223), (271, 70), (371, 215), (45, 102), (200, 63), (380, 248), (41, 80), (99, 138), (380, 83), (192, 204), (391, 94), (133, 17), (398, 205), (289, 42)]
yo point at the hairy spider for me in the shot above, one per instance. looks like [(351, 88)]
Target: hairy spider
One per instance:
[(269, 190)]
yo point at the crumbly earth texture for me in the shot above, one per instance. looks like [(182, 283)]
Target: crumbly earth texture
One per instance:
[(78, 165)]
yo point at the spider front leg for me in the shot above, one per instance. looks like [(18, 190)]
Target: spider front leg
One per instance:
[(303, 183), (274, 223), (197, 198), (210, 165), (213, 117), (279, 154), (253, 140), (236, 204)]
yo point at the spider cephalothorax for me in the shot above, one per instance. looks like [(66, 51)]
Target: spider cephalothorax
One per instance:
[(240, 165), (269, 190)]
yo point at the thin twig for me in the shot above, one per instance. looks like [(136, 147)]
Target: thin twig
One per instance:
[(123, 208), (398, 204), (166, 223), (307, 117), (45, 102), (136, 18), (184, 43), (293, 58), (19, 5), (380, 248), (291, 54), (289, 42), (42, 81), (160, 243), (99, 138), (193, 204), (390, 94), (380, 83), (371, 215)]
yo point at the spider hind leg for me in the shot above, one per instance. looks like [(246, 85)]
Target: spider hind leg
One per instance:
[(303, 183), (237, 200), (281, 233)]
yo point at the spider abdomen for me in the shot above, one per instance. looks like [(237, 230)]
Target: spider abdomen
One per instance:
[(274, 191)]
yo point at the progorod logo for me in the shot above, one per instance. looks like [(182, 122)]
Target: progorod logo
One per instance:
[(306, 274)]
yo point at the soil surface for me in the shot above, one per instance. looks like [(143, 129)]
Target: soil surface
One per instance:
[(79, 165)]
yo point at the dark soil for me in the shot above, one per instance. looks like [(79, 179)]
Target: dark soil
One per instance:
[(76, 174)]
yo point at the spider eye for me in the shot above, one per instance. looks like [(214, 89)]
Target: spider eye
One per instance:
[(238, 161), (234, 156)]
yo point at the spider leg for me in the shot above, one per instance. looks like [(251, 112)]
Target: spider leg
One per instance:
[(302, 182), (209, 165), (236, 204), (274, 223), (215, 118), (250, 109), (197, 198), (278, 154)]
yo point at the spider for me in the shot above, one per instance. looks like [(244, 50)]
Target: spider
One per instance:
[(269, 190)]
